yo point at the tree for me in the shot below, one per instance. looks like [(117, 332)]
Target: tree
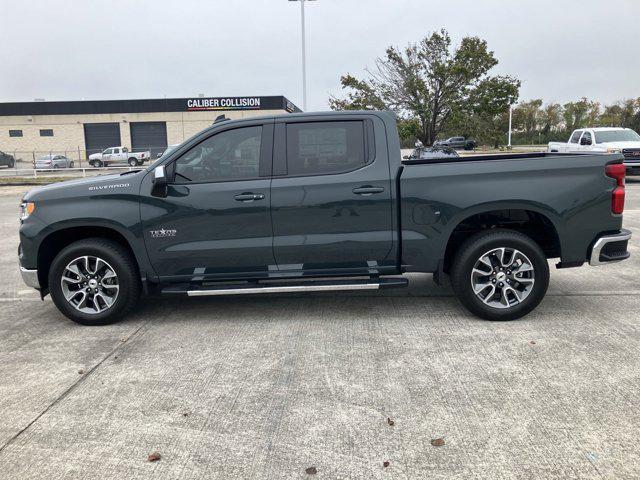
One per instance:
[(551, 118), (580, 114), (432, 84), (527, 115)]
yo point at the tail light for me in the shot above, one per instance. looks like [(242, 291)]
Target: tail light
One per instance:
[(617, 171)]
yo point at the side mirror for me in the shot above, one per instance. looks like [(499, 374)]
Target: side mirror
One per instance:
[(159, 188), (406, 157)]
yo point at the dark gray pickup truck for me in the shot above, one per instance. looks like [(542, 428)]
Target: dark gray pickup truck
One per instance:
[(319, 202)]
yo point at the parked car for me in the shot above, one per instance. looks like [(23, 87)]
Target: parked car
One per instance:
[(431, 153), (604, 140), (7, 160), (116, 155), (52, 161), (310, 201), (457, 143)]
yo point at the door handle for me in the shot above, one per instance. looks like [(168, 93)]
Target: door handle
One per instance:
[(367, 190), (248, 197)]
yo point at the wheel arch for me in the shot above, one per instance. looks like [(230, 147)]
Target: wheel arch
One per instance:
[(536, 223), (56, 240)]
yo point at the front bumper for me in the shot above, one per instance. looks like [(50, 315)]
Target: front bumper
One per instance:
[(30, 277), (610, 248)]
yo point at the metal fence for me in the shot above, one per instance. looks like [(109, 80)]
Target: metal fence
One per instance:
[(79, 156), (61, 172)]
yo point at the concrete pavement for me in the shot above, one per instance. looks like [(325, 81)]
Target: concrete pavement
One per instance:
[(266, 387)]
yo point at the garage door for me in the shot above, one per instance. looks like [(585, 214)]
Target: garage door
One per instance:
[(150, 136), (98, 136)]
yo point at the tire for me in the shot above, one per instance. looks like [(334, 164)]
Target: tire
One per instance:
[(518, 294), (96, 163), (12, 163), (133, 162), (117, 260), (71, 164)]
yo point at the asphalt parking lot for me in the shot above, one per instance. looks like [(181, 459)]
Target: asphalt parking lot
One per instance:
[(267, 387)]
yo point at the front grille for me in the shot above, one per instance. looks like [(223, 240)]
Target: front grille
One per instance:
[(631, 153)]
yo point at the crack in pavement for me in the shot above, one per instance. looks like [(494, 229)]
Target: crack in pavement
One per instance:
[(73, 386)]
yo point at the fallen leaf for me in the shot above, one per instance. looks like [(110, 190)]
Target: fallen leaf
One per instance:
[(532, 342), (185, 414), (311, 471), (80, 371), (154, 457), (437, 442), (390, 422), (385, 464)]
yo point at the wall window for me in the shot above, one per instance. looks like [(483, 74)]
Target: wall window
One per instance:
[(325, 147), (230, 155), (46, 132), (15, 133)]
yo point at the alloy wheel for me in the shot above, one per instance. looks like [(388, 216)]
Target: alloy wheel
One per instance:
[(502, 277), (90, 284)]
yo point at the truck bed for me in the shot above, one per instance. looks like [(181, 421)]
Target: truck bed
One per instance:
[(492, 156), (571, 191)]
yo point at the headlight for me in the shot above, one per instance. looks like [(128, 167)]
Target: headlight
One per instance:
[(26, 209), (614, 150)]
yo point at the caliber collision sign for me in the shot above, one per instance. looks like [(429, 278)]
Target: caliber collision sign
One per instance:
[(224, 103)]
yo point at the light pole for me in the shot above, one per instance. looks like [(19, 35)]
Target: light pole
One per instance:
[(510, 115), (304, 54), (511, 104)]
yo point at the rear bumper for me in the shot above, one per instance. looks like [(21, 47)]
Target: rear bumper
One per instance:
[(610, 248)]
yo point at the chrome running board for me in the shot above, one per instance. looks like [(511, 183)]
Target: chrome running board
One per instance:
[(290, 287)]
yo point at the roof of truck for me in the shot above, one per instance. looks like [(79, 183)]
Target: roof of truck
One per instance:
[(601, 129)]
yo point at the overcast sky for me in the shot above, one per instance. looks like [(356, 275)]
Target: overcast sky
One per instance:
[(115, 49)]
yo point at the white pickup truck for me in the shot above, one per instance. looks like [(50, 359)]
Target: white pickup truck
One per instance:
[(603, 140), (118, 155)]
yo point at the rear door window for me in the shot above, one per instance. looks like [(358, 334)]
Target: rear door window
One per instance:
[(323, 148)]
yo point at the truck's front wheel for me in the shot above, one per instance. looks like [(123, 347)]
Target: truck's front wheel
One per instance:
[(500, 274), (94, 281)]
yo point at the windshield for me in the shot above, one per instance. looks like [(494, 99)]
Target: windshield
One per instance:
[(169, 149), (606, 136)]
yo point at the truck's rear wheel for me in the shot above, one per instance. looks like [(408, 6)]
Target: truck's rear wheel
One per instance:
[(500, 274), (133, 162), (94, 281)]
